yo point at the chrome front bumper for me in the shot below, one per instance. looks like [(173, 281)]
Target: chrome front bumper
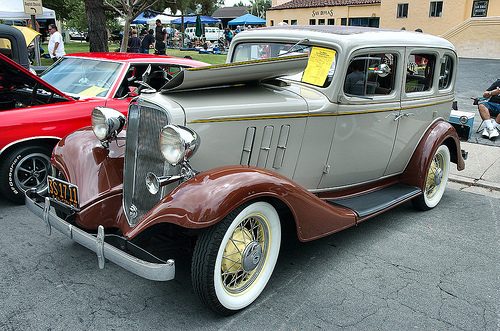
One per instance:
[(162, 271)]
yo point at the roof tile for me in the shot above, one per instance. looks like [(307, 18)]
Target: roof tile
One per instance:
[(295, 4)]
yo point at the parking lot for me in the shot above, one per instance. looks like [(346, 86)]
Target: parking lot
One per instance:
[(435, 270)]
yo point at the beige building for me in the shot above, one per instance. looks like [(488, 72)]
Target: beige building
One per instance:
[(472, 25)]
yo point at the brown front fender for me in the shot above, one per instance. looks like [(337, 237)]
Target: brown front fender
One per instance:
[(439, 133), (210, 196)]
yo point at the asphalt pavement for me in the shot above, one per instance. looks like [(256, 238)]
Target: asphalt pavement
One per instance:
[(482, 168)]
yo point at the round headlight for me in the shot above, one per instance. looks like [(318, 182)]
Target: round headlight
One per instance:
[(178, 143), (106, 122)]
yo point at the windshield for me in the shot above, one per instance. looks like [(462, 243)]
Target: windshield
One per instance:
[(320, 67), (84, 77)]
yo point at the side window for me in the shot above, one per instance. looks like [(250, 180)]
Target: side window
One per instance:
[(6, 47), (445, 72), (419, 72), (371, 74)]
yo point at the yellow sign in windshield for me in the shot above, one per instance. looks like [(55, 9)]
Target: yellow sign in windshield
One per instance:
[(318, 66), (93, 91)]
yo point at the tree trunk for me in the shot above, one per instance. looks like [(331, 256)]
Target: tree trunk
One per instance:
[(126, 29), (98, 35)]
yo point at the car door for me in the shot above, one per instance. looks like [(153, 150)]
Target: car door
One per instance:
[(422, 99), (365, 129)]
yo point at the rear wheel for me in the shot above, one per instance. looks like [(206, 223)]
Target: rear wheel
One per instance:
[(23, 169), (436, 179), (234, 259)]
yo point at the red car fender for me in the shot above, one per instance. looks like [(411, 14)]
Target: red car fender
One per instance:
[(439, 133), (210, 196)]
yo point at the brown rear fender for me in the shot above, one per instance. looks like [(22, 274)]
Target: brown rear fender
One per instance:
[(438, 134), (211, 195)]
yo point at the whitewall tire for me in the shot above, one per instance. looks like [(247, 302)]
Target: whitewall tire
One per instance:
[(234, 259)]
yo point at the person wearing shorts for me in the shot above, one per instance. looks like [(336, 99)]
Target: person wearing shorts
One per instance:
[(490, 111)]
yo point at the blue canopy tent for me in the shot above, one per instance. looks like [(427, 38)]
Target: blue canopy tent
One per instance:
[(192, 20), (141, 19), (246, 20)]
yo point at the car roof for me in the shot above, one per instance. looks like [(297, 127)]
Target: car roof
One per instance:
[(348, 36), (138, 57)]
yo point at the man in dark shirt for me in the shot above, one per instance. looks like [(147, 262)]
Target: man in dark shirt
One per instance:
[(160, 38), (490, 110)]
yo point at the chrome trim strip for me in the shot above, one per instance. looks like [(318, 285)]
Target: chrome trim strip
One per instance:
[(271, 117), (148, 270), (28, 139)]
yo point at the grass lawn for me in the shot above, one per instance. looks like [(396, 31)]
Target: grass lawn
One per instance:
[(83, 47)]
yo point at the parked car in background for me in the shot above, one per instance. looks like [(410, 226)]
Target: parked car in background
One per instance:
[(36, 112), (317, 128), (211, 33), (13, 45)]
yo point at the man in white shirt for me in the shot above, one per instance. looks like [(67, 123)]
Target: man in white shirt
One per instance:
[(56, 44)]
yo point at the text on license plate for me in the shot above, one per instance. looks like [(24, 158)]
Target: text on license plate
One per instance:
[(63, 192)]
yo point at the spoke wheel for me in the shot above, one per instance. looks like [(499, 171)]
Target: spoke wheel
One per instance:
[(25, 168), (436, 179), (234, 259)]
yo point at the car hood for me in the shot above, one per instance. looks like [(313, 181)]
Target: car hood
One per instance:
[(13, 75)]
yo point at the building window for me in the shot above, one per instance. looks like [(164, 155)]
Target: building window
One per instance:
[(436, 9), (294, 22), (331, 21), (272, 22), (312, 21), (321, 21), (372, 22), (343, 21), (285, 21), (402, 10), (480, 8)]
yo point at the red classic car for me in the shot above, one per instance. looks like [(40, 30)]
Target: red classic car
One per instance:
[(36, 112)]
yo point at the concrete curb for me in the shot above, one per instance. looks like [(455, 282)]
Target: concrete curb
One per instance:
[(474, 182)]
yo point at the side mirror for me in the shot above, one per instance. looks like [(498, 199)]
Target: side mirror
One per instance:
[(382, 70)]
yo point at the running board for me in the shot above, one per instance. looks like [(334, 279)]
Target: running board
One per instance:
[(378, 200)]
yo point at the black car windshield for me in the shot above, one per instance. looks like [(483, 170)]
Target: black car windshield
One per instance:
[(321, 60), (83, 77)]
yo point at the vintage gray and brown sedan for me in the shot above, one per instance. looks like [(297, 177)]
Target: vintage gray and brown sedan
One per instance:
[(312, 127)]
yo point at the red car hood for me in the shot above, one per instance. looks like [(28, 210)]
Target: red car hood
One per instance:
[(12, 75)]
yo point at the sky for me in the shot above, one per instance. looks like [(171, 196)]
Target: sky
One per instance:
[(230, 3)]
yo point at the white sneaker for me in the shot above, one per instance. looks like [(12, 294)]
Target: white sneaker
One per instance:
[(486, 133), (494, 133)]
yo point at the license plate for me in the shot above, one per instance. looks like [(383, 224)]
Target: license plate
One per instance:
[(63, 192)]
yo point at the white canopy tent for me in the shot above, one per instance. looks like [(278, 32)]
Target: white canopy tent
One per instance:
[(14, 10), (165, 19)]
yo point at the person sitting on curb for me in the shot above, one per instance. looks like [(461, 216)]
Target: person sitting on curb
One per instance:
[(490, 110)]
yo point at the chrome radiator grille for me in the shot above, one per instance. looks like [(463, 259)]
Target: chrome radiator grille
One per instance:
[(142, 155)]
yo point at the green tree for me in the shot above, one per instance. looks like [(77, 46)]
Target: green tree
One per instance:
[(259, 7), (76, 21), (239, 4)]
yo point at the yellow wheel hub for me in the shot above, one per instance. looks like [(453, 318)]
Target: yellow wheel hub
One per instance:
[(234, 250)]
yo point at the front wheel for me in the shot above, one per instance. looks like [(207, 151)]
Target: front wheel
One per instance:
[(234, 259), (435, 182), (23, 169)]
